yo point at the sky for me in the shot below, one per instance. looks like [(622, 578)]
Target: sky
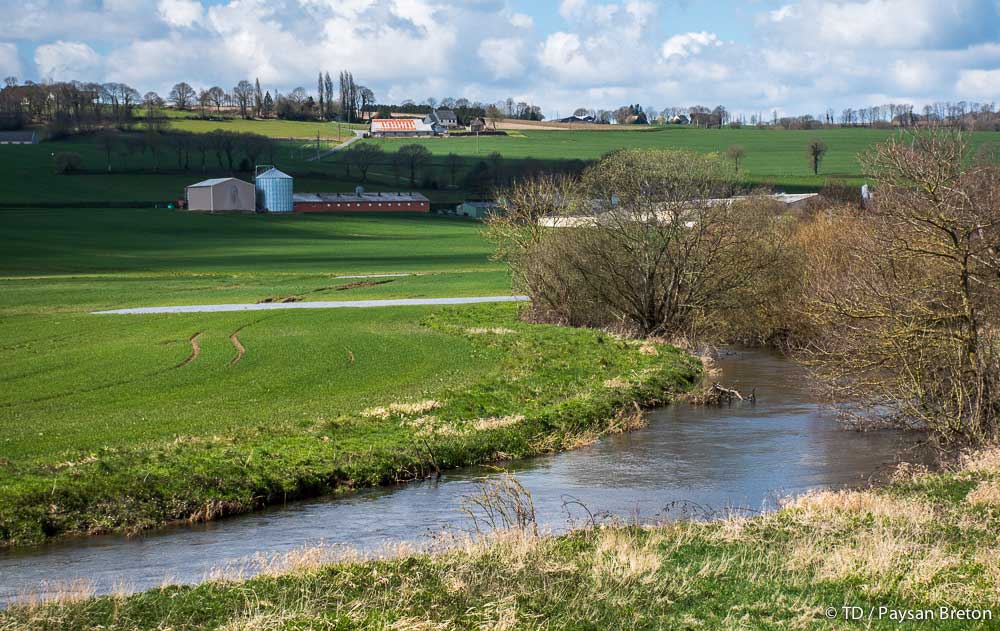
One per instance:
[(753, 56)]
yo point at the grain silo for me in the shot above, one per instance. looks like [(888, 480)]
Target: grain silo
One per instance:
[(274, 191)]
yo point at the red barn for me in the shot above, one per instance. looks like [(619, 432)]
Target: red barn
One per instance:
[(361, 202)]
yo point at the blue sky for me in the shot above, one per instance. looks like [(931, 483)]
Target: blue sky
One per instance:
[(794, 56)]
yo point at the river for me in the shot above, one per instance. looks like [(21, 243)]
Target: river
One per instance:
[(740, 456)]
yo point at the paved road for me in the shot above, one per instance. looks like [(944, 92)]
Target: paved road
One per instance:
[(358, 135), (357, 304)]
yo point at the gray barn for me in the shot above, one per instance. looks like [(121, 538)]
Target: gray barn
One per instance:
[(222, 194)]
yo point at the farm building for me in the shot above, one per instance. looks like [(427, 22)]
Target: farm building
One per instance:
[(221, 194), (447, 118), (403, 127), (18, 138), (361, 201), (479, 210)]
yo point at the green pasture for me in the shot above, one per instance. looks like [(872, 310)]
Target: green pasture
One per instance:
[(115, 422), (773, 157)]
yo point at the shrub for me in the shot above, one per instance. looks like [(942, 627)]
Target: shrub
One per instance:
[(67, 162), (640, 246)]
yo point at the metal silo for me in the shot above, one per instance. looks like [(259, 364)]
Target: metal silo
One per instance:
[(274, 191)]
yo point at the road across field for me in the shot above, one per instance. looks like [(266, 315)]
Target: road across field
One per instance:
[(357, 304)]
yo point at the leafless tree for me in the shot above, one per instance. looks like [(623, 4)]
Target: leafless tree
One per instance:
[(414, 157), (364, 156), (243, 94), (182, 96), (736, 154), (640, 245), (905, 299)]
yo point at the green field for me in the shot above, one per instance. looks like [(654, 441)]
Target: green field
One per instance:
[(773, 157), (190, 121), (123, 422)]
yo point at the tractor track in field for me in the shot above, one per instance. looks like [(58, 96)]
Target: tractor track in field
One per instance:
[(240, 349), (195, 350)]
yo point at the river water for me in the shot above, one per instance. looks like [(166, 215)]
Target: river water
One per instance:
[(742, 456)]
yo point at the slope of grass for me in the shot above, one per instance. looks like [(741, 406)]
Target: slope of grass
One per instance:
[(925, 545), (123, 422), (144, 420)]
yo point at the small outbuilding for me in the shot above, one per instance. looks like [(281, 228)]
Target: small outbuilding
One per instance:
[(221, 195), (18, 138), (480, 210)]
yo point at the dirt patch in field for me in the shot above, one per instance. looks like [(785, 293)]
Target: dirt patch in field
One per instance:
[(195, 350), (363, 283), (240, 349), (279, 299)]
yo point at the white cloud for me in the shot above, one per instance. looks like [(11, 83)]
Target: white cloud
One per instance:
[(180, 13), (66, 60), (10, 65), (885, 24), (979, 83), (571, 9), (521, 20), (502, 56), (688, 44)]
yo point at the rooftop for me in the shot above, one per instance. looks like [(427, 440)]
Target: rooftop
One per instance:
[(358, 197), (214, 181), (399, 124)]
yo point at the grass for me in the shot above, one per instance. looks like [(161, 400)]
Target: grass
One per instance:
[(924, 543), (272, 128), (773, 157), (112, 423)]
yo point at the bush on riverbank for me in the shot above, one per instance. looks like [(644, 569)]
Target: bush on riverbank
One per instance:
[(925, 542), (550, 388)]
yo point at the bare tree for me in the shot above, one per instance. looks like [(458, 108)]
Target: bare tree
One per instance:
[(107, 140), (364, 156), (243, 94), (453, 162), (414, 157), (217, 97), (182, 96), (905, 300), (639, 244), (736, 154)]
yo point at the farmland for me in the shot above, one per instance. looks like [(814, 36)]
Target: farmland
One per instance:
[(773, 157), (145, 419)]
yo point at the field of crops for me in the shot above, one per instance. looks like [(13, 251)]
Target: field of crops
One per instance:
[(129, 421)]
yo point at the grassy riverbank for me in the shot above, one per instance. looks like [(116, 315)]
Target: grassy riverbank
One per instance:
[(447, 387), (926, 541)]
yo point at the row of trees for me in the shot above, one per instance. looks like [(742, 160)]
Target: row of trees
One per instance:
[(417, 165), (231, 151), (80, 106)]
